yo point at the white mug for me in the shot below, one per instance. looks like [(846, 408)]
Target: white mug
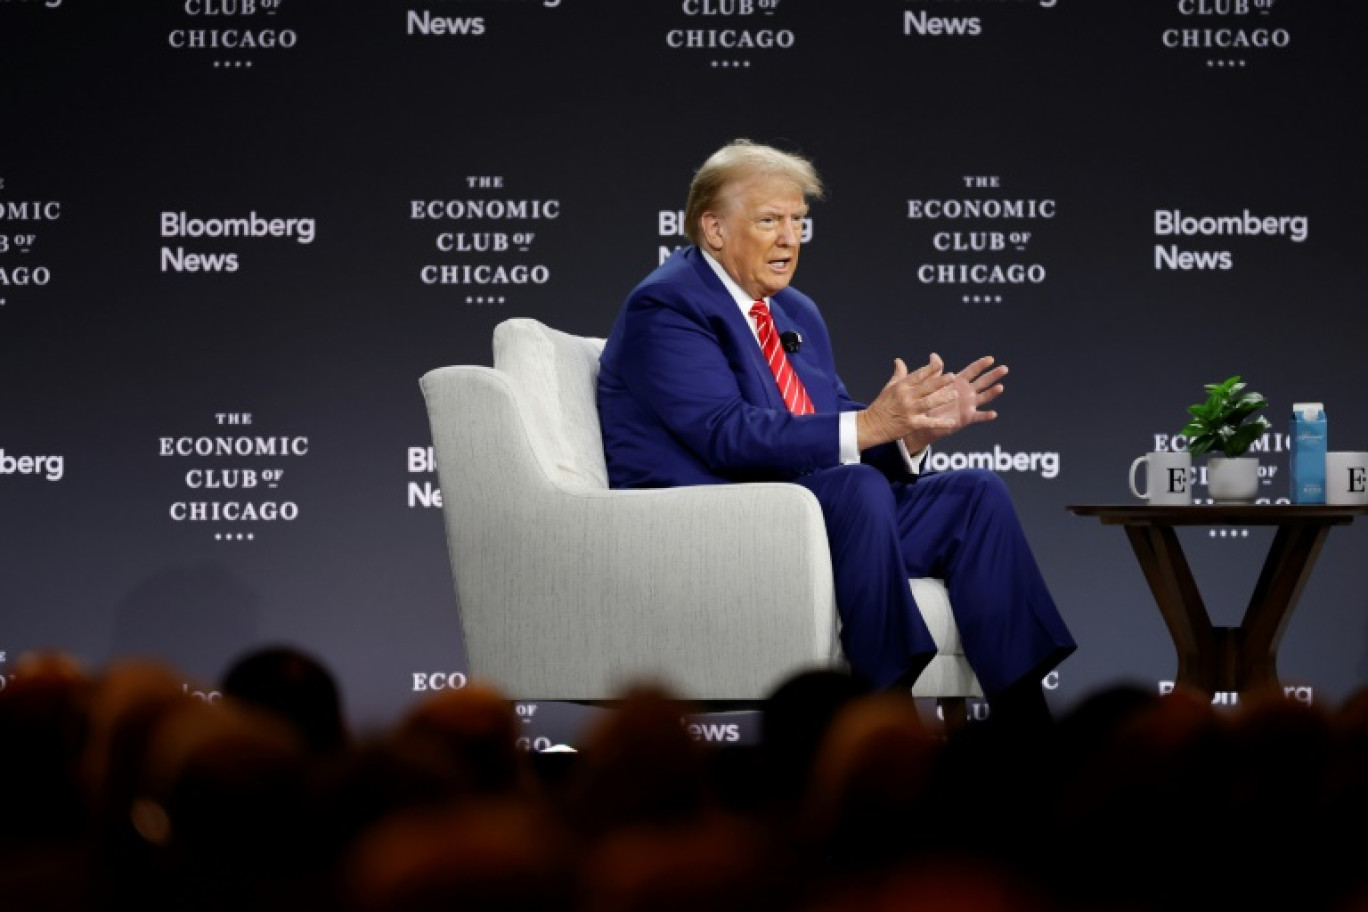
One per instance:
[(1168, 478), (1346, 478)]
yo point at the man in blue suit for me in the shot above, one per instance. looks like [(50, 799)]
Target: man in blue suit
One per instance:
[(690, 393)]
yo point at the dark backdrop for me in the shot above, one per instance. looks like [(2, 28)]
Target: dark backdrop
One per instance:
[(572, 127)]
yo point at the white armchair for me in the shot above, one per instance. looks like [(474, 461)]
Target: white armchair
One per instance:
[(571, 591)]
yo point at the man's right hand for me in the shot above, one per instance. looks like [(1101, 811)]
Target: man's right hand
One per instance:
[(916, 407)]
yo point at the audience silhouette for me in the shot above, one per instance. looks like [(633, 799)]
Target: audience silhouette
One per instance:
[(120, 789), (294, 685)]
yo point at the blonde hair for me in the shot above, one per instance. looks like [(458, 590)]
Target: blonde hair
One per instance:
[(736, 161)]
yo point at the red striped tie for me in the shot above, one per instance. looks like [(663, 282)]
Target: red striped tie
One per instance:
[(795, 397)]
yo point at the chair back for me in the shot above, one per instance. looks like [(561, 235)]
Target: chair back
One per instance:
[(555, 378)]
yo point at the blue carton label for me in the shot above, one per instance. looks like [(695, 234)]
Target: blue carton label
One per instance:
[(1307, 464)]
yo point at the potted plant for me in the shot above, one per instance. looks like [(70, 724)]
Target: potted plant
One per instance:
[(1228, 423)]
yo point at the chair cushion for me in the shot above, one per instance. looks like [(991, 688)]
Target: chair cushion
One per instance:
[(555, 375)]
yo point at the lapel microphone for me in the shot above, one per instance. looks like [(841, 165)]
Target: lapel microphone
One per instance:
[(791, 341)]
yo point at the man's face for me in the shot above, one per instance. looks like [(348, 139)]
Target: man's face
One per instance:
[(757, 232)]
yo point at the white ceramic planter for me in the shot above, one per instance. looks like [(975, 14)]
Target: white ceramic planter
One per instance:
[(1233, 481)]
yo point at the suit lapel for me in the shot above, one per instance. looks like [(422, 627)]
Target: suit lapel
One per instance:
[(759, 380)]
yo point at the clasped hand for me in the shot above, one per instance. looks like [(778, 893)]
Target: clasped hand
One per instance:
[(922, 406)]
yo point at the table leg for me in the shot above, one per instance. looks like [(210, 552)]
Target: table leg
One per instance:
[(1202, 660), (1285, 571)]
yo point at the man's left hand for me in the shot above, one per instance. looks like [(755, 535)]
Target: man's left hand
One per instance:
[(977, 384)]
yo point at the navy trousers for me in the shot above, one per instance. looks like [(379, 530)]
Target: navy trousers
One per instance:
[(960, 526)]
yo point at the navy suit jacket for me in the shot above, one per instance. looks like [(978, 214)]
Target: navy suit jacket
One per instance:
[(685, 396)]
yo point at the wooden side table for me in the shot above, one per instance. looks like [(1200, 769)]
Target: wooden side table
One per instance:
[(1212, 658)]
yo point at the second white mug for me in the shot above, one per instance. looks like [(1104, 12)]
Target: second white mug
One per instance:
[(1168, 478), (1346, 478)]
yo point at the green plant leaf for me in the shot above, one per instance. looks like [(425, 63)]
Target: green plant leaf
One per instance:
[(1240, 439), (1226, 420)]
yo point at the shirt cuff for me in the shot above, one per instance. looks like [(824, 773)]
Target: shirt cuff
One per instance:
[(849, 441), (913, 461), (850, 449)]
